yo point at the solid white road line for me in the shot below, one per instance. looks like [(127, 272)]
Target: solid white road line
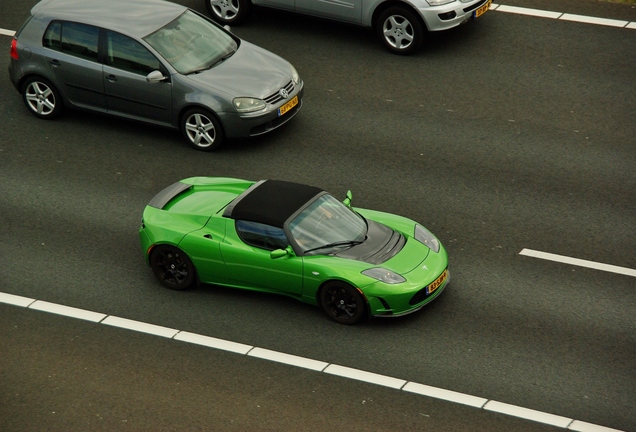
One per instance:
[(213, 342), (292, 360), (580, 426), (578, 262), (530, 12), (528, 414), (140, 326), (365, 376), (593, 20), (6, 32), (67, 311), (446, 395), (15, 300), (289, 359)]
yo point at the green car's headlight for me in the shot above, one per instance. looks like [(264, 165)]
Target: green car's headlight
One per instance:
[(425, 237), (247, 104), (383, 275), (295, 76)]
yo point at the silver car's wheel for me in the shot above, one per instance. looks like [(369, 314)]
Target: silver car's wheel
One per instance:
[(401, 30), (42, 98), (230, 12), (202, 129)]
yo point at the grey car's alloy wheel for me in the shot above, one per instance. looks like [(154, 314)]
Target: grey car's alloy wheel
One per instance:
[(202, 129), (42, 98), (172, 267), (401, 30), (342, 302), (232, 12)]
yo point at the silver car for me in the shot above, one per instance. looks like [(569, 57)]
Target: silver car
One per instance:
[(400, 24), (153, 61)]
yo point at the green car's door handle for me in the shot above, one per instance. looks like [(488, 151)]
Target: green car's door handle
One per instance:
[(208, 236)]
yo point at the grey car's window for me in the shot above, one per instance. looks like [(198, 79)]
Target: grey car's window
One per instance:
[(191, 43), (128, 54), (77, 39), (261, 235)]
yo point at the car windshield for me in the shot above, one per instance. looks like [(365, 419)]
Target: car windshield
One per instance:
[(327, 224), (191, 44)]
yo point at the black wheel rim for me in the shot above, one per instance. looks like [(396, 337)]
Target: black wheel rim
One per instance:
[(341, 303), (171, 267)]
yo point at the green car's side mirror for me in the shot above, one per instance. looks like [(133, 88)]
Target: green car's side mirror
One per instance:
[(279, 253), (347, 200)]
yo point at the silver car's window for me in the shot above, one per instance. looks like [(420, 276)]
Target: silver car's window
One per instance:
[(128, 54), (327, 221), (72, 38), (191, 43)]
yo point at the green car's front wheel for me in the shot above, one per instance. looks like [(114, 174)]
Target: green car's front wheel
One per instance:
[(342, 302), (172, 267)]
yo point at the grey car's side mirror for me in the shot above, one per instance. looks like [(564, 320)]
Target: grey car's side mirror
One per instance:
[(155, 76)]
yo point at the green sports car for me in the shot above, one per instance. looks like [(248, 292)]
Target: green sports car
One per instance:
[(292, 239)]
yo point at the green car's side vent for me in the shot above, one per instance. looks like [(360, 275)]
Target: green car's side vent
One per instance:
[(162, 198)]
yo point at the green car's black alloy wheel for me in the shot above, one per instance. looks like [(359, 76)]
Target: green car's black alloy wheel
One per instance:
[(342, 302), (172, 267)]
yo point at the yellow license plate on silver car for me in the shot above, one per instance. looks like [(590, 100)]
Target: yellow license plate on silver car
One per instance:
[(482, 10), (437, 282), (289, 105)]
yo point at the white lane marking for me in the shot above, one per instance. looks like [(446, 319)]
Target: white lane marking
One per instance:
[(15, 300), (580, 426), (289, 359), (593, 20), (447, 395), (527, 11), (631, 25), (345, 372), (212, 342), (528, 414), (140, 326), (67, 311), (6, 32), (365, 376), (578, 262)]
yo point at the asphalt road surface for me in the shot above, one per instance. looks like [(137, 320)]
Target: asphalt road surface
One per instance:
[(510, 133)]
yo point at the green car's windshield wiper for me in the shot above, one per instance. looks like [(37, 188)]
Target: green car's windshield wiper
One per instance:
[(350, 243)]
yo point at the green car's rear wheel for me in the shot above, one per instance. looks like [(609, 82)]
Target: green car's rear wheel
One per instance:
[(342, 302), (172, 267)]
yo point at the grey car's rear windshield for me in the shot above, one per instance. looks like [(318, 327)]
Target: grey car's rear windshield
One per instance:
[(191, 43)]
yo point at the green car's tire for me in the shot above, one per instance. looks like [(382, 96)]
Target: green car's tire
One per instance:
[(342, 302), (172, 267)]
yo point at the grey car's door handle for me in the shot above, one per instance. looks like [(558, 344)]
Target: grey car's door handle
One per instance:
[(55, 62), (111, 78)]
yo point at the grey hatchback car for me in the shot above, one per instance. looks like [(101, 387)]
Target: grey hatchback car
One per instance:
[(152, 61)]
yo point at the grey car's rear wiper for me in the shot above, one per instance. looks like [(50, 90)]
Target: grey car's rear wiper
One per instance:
[(350, 243)]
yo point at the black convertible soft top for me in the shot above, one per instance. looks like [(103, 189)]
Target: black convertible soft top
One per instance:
[(271, 202)]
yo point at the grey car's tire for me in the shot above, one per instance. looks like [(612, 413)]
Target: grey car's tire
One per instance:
[(42, 98), (172, 267), (401, 30), (342, 302), (202, 130), (231, 12)]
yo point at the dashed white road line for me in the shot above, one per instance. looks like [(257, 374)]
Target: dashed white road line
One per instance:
[(520, 11), (578, 262), (307, 363)]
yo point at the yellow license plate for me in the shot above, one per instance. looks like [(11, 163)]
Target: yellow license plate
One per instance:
[(289, 105), (437, 282), (482, 10)]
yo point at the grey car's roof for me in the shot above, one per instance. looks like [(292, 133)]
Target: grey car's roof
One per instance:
[(134, 17)]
